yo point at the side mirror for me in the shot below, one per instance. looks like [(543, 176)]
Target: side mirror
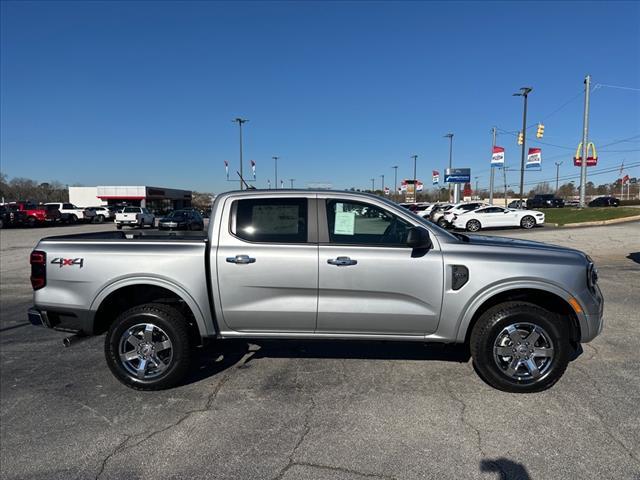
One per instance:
[(418, 237)]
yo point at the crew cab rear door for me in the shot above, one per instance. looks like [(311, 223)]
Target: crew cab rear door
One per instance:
[(370, 281), (267, 263)]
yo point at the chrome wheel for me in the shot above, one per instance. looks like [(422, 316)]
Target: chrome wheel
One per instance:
[(473, 225), (145, 351), (528, 222), (523, 351)]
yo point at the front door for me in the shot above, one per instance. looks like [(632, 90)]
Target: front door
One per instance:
[(267, 263), (370, 282)]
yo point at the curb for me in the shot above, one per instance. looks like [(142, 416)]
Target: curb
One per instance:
[(599, 222)]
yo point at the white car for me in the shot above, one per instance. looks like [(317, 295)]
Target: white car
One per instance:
[(102, 214), (458, 209), (135, 217), (492, 216), (71, 213)]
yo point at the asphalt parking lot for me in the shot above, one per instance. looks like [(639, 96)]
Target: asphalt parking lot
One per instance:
[(330, 410)]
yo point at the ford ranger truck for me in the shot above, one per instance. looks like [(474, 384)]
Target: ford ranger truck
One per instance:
[(304, 264)]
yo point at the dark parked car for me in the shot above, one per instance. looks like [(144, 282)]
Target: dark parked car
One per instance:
[(182, 220), (545, 201), (605, 202), (11, 216)]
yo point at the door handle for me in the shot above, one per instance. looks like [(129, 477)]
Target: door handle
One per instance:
[(342, 261), (242, 259)]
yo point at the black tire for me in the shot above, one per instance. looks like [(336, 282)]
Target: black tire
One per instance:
[(100, 218), (119, 226), (490, 327), (527, 222), (73, 219), (31, 222), (442, 222), (170, 323), (473, 226)]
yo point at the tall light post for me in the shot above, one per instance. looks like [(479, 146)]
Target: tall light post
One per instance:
[(415, 186), (240, 121), (275, 158), (558, 174), (382, 176), (524, 92), (395, 180), (292, 180), (476, 191), (450, 137), (585, 140), (373, 185)]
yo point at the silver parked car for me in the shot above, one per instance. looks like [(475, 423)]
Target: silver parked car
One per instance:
[(302, 264)]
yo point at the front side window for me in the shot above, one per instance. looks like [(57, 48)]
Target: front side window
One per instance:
[(363, 224), (272, 220)]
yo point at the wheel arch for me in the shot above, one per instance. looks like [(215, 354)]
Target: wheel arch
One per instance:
[(127, 293), (548, 297)]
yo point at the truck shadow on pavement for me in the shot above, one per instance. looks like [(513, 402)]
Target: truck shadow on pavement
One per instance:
[(216, 357), (505, 468), (635, 257)]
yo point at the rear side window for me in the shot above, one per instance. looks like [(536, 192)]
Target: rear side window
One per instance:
[(271, 220)]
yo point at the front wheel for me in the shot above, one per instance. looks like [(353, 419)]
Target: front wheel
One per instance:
[(473, 226), (520, 347), (147, 347), (528, 222), (119, 226)]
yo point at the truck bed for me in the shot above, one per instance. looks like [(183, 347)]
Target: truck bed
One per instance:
[(146, 235)]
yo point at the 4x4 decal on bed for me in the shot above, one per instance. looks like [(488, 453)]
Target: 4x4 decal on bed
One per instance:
[(63, 262)]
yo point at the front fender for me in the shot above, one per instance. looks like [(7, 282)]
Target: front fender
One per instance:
[(490, 291)]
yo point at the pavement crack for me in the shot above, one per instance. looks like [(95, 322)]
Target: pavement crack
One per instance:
[(463, 419), (344, 470), (114, 452)]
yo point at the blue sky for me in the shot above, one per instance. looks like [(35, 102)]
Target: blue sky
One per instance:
[(144, 93)]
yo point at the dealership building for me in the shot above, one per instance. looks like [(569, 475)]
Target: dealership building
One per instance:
[(154, 198)]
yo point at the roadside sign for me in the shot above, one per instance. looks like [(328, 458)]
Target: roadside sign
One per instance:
[(457, 175)]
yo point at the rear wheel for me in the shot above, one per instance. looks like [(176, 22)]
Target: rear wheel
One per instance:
[(119, 226), (100, 218), (442, 223), (473, 226), (73, 218), (520, 347), (528, 222), (31, 221), (147, 347)]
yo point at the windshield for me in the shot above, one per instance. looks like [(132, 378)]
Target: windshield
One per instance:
[(176, 214)]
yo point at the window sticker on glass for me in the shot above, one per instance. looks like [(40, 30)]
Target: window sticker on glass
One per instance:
[(345, 223), (339, 207)]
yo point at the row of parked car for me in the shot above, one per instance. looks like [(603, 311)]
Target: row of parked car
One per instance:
[(473, 216), (551, 201), (29, 214)]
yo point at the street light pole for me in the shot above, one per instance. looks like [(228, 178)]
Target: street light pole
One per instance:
[(291, 180), (493, 168), (524, 92), (558, 174), (276, 163), (373, 185), (415, 185), (476, 192), (585, 139), (240, 121), (382, 176), (395, 180), (450, 137)]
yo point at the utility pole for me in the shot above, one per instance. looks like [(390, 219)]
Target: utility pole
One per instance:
[(292, 180), (558, 174), (373, 185), (268, 183), (275, 158), (382, 176), (240, 121), (504, 173), (395, 180), (585, 139), (492, 168), (415, 182), (450, 137), (524, 92), (476, 191)]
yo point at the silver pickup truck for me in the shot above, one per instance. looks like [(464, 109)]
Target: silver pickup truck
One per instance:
[(303, 264)]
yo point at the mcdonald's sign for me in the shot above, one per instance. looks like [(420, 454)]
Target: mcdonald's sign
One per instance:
[(592, 160)]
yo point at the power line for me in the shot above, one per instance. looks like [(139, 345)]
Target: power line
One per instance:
[(600, 85)]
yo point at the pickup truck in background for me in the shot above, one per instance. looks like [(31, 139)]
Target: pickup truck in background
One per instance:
[(304, 264), (70, 213), (38, 214), (135, 217)]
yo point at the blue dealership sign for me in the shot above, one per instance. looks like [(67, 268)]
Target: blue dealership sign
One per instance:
[(457, 175)]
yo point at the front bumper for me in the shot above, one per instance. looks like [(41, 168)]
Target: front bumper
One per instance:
[(592, 318)]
